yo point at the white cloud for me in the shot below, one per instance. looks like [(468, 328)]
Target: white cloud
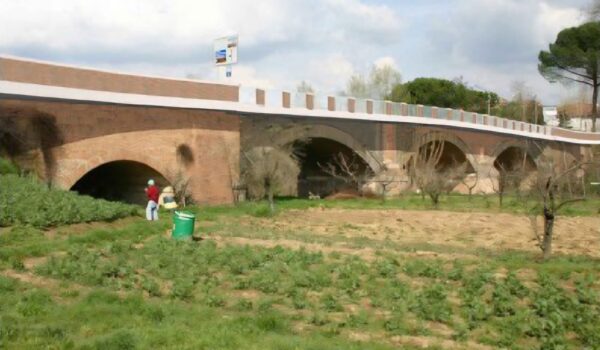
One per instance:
[(330, 73), (386, 61), (489, 42)]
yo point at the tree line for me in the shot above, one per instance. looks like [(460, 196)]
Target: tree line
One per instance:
[(385, 83)]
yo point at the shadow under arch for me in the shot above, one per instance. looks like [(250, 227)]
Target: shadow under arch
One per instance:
[(515, 158), (451, 139), (455, 151), (318, 153), (120, 180), (516, 168), (533, 153), (292, 135)]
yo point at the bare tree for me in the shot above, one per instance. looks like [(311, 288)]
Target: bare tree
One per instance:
[(499, 186), (181, 182), (386, 179), (349, 169), (181, 175), (305, 87), (469, 181), (269, 171), (378, 85), (429, 174), (555, 188)]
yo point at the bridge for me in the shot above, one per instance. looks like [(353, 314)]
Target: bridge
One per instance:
[(104, 133)]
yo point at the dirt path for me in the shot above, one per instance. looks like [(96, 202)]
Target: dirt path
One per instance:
[(468, 231)]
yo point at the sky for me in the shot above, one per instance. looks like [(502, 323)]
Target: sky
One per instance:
[(489, 43)]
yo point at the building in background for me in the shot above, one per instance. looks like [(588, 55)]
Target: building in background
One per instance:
[(577, 116), (550, 114)]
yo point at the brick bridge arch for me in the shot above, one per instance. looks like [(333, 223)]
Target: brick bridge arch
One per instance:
[(532, 152), (446, 136), (76, 159), (295, 133)]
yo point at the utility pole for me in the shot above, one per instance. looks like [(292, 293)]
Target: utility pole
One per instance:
[(535, 115), (489, 102)]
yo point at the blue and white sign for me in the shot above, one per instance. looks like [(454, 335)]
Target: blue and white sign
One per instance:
[(226, 50)]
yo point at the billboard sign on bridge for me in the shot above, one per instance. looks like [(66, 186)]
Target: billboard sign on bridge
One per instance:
[(225, 49)]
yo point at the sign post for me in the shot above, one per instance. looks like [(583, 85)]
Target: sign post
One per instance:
[(226, 50)]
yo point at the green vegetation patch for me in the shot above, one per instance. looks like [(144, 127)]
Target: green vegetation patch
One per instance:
[(24, 200)]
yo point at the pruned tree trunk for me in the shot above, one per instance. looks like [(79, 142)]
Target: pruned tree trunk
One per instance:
[(500, 196), (546, 244), (435, 199)]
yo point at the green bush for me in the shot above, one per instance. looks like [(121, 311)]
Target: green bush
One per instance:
[(8, 167), (34, 302), (271, 322), (432, 304), (244, 305), (27, 201)]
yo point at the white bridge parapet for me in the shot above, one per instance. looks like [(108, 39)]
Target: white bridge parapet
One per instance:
[(366, 109), (258, 101)]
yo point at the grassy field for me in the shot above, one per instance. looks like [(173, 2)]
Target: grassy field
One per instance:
[(260, 282)]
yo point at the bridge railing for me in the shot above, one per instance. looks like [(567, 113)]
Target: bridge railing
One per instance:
[(300, 100)]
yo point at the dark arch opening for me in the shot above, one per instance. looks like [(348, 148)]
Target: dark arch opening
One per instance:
[(514, 159), (312, 177), (514, 166), (122, 180), (452, 156)]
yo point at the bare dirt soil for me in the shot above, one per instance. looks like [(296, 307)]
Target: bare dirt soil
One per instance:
[(464, 231)]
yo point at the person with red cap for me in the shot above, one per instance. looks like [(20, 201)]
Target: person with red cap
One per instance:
[(152, 193)]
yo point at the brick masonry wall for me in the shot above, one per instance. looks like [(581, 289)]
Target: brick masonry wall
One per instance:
[(97, 134), (94, 134), (57, 75)]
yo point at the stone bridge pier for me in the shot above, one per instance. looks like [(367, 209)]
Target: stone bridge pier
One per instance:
[(392, 146)]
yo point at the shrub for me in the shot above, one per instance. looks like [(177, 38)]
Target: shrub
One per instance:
[(502, 301), (423, 268), (215, 300), (475, 311), (8, 167), (182, 289), (432, 304), (386, 268), (155, 313), (27, 201), (271, 322), (7, 284), (243, 305), (151, 286), (514, 286), (358, 320), (330, 303), (34, 302)]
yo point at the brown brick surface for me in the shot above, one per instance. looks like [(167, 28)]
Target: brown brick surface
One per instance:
[(97, 134), (57, 75)]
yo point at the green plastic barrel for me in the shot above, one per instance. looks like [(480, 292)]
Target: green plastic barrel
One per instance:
[(183, 225)]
